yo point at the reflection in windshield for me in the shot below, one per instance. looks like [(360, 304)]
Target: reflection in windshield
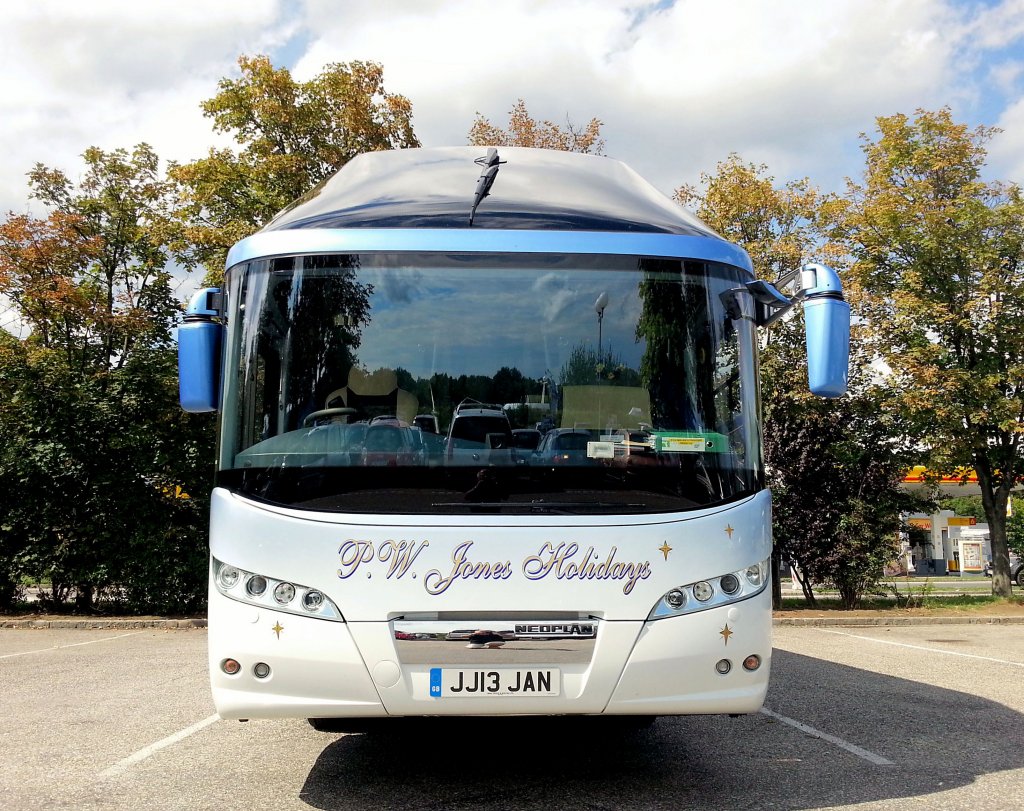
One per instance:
[(432, 383)]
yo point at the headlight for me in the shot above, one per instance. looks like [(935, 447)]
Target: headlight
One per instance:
[(712, 592), (268, 592), (284, 593), (228, 577), (703, 591)]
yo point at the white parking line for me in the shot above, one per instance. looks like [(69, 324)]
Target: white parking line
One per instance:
[(73, 645), (123, 765), (925, 648), (871, 757)]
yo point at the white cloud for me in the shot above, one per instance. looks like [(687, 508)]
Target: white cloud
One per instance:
[(112, 74), (999, 26), (678, 87), (788, 84), (1006, 151)]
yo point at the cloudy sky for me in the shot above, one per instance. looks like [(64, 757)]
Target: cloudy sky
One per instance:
[(678, 85)]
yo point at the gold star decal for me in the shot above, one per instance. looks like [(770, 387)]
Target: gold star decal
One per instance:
[(729, 530), (665, 549), (726, 632), (277, 629)]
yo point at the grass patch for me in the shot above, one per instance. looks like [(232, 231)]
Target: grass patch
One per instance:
[(981, 603)]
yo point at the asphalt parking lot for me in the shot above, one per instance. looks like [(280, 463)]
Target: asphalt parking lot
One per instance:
[(881, 717)]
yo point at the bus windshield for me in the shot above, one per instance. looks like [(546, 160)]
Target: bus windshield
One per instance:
[(508, 383)]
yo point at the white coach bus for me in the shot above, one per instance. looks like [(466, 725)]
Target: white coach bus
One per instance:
[(489, 444)]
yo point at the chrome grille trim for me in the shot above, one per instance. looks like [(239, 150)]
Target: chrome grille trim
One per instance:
[(516, 640)]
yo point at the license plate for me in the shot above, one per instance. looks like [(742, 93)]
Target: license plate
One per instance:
[(480, 682)]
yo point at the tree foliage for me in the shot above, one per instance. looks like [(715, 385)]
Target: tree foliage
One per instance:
[(832, 466), (939, 276), (524, 130), (585, 366), (93, 449), (777, 226), (835, 468), (964, 505), (291, 136)]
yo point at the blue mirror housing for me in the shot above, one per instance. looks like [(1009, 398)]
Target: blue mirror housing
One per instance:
[(200, 337), (827, 324)]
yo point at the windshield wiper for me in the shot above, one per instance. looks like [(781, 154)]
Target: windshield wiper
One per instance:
[(491, 163)]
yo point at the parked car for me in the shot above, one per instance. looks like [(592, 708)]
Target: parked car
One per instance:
[(524, 443), (526, 439), (1016, 571), (426, 423), (564, 446), (480, 434), (389, 446)]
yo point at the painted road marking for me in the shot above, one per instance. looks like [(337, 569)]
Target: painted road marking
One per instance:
[(123, 765), (871, 757), (73, 645), (925, 648)]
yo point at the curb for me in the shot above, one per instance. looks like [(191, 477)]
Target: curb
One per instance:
[(100, 625), (865, 622)]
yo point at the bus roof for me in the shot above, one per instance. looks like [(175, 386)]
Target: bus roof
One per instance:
[(535, 189)]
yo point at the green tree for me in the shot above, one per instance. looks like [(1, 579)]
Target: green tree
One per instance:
[(585, 367), (939, 275), (777, 226), (965, 505), (524, 130), (291, 136), (833, 465), (95, 456)]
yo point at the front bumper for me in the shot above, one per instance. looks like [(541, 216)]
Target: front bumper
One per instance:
[(321, 669)]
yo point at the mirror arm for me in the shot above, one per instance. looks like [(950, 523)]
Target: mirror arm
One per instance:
[(816, 280)]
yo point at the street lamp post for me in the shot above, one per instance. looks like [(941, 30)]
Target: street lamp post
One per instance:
[(599, 306)]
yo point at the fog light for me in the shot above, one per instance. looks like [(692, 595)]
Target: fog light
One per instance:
[(261, 670), (312, 600), (752, 662), (228, 576), (703, 591), (230, 666), (284, 593), (675, 598), (723, 666), (730, 583), (256, 586)]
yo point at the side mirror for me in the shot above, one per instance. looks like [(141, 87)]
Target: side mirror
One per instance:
[(200, 337), (827, 324)]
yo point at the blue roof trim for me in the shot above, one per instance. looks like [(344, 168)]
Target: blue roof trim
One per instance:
[(291, 242)]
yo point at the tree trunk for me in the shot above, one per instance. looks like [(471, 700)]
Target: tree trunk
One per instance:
[(806, 587), (994, 495), (84, 593), (776, 583)]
